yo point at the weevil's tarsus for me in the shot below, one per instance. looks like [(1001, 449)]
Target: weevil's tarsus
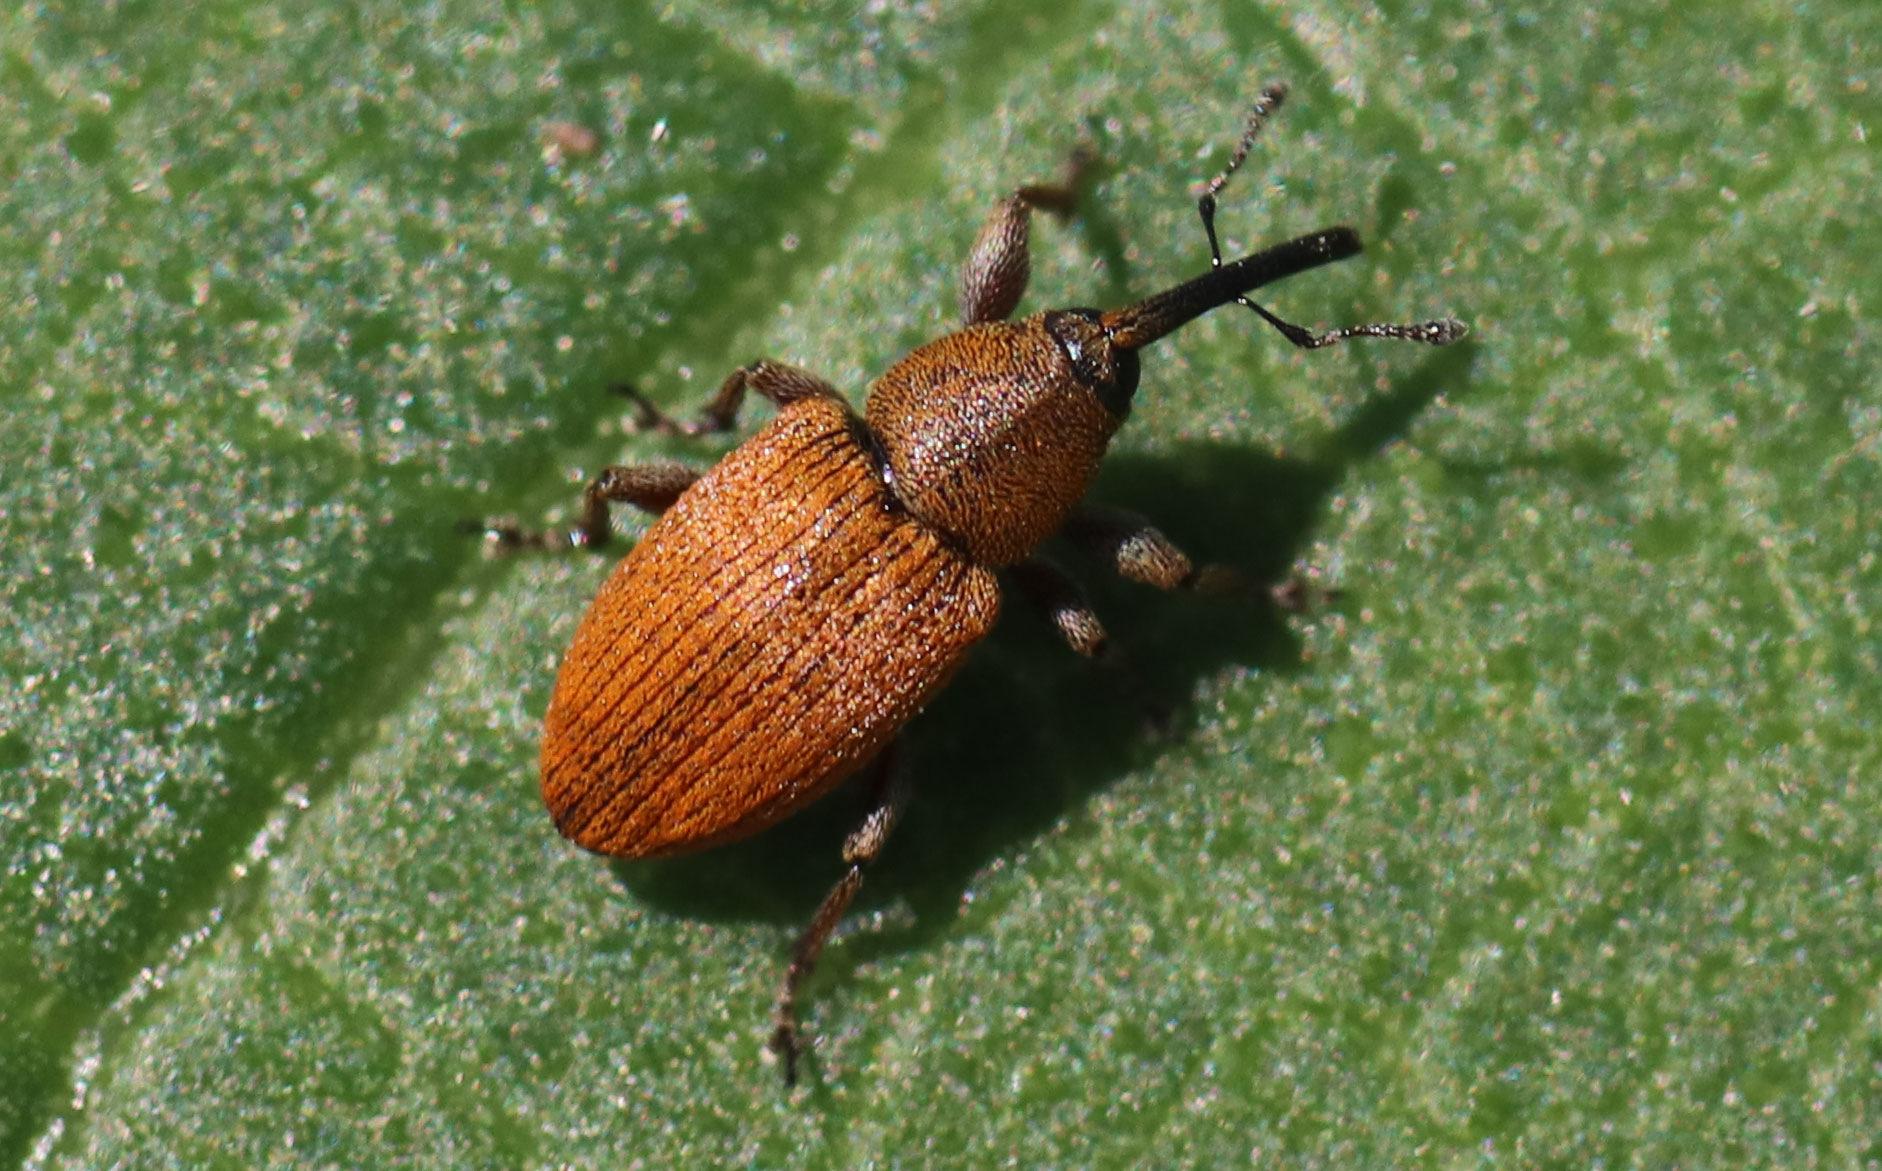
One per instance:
[(777, 382), (1298, 595), (1063, 197)]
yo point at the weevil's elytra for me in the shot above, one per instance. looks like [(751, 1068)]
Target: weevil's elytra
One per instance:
[(796, 605), (679, 683)]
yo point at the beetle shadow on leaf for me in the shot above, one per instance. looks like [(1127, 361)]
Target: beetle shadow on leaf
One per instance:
[(1028, 731)]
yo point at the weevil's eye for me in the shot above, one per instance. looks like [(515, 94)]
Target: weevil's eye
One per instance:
[(1106, 371), (1117, 399)]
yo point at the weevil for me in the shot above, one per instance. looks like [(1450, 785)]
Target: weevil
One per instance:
[(793, 607)]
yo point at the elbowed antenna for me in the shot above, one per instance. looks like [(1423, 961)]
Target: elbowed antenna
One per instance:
[(1138, 325)]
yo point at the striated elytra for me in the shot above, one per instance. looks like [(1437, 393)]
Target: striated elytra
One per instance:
[(793, 607), (763, 640)]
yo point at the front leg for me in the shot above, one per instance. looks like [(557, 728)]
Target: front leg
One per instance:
[(1134, 548), (997, 269)]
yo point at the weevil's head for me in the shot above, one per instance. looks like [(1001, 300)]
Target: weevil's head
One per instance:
[(1104, 369)]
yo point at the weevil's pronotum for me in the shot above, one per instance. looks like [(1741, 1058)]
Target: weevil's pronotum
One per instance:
[(793, 607)]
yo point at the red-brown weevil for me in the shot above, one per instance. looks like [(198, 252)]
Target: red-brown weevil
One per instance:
[(794, 606)]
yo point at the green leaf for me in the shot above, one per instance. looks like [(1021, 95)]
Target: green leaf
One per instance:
[(1552, 837)]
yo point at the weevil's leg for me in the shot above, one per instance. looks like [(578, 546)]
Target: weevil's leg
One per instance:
[(1054, 594), (997, 269), (1134, 548), (776, 381), (654, 487), (1441, 332), (1299, 596), (650, 487), (887, 797)]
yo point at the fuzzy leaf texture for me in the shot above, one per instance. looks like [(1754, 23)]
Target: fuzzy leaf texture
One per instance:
[(1553, 838)]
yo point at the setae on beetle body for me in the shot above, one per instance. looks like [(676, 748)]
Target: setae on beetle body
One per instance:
[(795, 605)]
